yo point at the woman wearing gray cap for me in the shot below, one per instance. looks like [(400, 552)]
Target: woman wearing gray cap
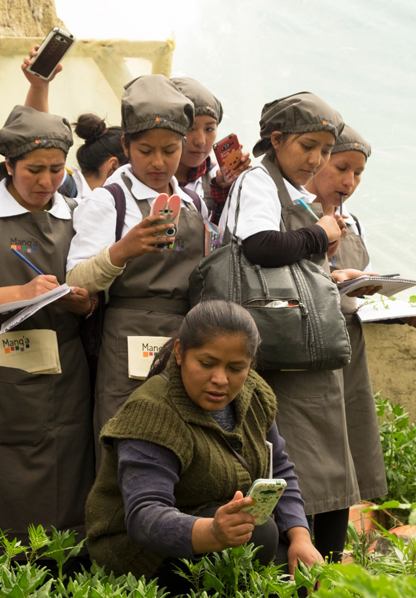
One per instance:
[(46, 448), (298, 133), (147, 286), (197, 172), (332, 186)]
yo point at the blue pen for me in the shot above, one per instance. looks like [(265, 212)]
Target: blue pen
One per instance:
[(26, 261), (301, 202)]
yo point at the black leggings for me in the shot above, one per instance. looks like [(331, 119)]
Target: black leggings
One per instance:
[(329, 532)]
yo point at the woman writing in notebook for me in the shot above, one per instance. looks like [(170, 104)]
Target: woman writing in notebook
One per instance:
[(37, 286), (44, 415)]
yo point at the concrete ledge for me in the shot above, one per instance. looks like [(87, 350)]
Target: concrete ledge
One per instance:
[(391, 353), (93, 77)]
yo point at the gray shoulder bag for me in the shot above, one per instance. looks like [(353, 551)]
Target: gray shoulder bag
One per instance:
[(296, 308)]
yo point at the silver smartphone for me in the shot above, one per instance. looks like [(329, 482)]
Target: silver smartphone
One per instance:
[(55, 45)]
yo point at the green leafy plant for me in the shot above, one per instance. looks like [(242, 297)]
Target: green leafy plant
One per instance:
[(29, 577), (359, 544), (389, 571), (354, 581), (235, 573), (398, 439)]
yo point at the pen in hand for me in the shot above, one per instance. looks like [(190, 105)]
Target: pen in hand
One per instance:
[(26, 261)]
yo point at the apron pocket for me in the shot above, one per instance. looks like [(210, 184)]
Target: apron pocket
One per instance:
[(25, 411)]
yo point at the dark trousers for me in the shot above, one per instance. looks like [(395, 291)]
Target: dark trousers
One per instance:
[(329, 533)]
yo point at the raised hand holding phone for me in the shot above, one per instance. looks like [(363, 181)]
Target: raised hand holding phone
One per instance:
[(46, 58), (265, 493), (231, 159)]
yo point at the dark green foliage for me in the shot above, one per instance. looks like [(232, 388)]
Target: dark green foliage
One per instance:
[(398, 439)]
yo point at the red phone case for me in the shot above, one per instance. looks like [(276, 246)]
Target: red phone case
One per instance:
[(228, 153)]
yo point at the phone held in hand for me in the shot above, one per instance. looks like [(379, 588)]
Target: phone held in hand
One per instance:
[(168, 210), (265, 493), (228, 153), (50, 52)]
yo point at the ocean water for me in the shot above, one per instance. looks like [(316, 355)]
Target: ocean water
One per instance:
[(359, 56)]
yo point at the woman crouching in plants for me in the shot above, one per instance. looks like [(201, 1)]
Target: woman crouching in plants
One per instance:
[(182, 452)]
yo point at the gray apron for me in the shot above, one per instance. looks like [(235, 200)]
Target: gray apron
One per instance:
[(149, 298), (311, 411), (362, 424), (46, 441)]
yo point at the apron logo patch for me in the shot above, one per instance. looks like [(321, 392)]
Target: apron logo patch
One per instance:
[(18, 344), (150, 350), (24, 246)]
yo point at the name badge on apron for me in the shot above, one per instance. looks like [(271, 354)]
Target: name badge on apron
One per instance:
[(34, 351), (141, 352)]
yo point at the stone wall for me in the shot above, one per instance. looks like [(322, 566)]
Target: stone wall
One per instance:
[(31, 18), (391, 352)]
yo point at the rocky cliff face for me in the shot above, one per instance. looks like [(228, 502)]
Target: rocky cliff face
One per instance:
[(31, 18)]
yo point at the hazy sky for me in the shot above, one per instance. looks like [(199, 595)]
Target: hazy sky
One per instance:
[(359, 56), (128, 19)]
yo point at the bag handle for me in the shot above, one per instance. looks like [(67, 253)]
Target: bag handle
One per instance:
[(237, 206)]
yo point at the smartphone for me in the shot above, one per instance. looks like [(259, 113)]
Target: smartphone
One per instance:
[(168, 209), (228, 153), (50, 52), (266, 493)]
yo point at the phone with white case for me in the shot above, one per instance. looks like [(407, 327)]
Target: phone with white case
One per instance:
[(265, 493), (55, 45)]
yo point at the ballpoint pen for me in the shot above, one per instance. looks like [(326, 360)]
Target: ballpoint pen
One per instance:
[(26, 261), (301, 202)]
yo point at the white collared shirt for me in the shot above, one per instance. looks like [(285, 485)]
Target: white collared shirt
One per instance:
[(95, 217), (197, 186), (260, 208), (83, 188), (10, 207)]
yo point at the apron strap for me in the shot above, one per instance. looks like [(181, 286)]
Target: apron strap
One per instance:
[(142, 204)]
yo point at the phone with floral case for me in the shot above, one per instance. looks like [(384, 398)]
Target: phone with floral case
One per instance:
[(265, 493)]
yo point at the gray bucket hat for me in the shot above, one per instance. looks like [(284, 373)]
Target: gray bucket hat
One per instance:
[(27, 129), (153, 102), (301, 112), (205, 103), (351, 140)]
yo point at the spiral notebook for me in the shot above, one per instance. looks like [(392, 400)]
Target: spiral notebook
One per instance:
[(389, 285), (30, 306)]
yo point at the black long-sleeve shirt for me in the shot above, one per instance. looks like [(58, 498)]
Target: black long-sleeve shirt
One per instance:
[(272, 249)]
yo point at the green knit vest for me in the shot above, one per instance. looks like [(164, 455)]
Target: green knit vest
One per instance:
[(160, 411)]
